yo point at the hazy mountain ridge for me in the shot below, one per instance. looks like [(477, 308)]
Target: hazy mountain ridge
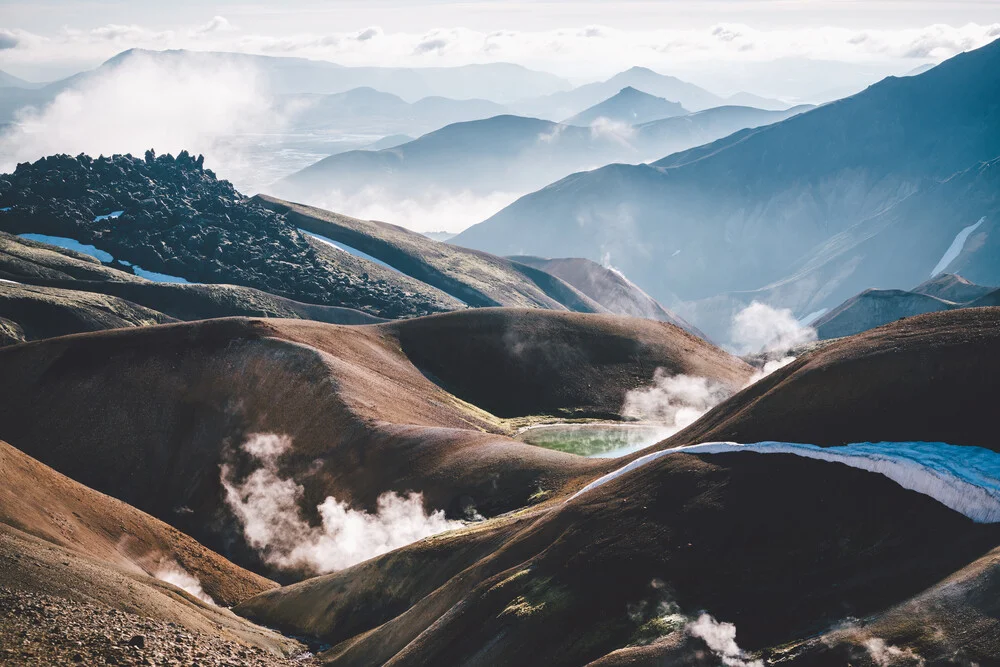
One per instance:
[(765, 199), (629, 106)]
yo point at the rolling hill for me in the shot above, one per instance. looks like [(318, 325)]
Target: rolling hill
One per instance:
[(398, 408)]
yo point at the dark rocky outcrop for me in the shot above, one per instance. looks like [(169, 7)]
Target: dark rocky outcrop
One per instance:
[(178, 218)]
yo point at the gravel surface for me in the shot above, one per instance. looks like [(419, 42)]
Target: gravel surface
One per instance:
[(38, 629)]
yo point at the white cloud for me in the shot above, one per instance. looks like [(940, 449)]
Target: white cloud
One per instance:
[(217, 24), (590, 51), (434, 210), (146, 103)]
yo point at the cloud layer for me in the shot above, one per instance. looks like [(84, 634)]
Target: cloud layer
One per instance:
[(582, 51)]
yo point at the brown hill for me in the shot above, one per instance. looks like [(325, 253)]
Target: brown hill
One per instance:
[(61, 538), (362, 415), (555, 364), (41, 502), (953, 622), (45, 266), (45, 312), (476, 278), (782, 547), (608, 287), (928, 378)]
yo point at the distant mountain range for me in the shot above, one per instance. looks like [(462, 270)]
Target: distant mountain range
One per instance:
[(512, 153), (629, 106), (11, 81), (876, 189), (495, 81), (564, 104), (366, 110)]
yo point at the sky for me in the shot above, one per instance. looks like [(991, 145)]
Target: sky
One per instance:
[(579, 39)]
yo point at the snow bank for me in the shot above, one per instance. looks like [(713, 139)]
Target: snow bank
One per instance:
[(965, 479), (956, 247)]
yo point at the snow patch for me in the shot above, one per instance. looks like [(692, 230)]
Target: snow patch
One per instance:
[(348, 249), (156, 277), (813, 316), (965, 479), (112, 215), (956, 247), (69, 244)]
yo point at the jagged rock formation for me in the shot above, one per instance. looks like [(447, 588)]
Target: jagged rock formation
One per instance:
[(179, 219)]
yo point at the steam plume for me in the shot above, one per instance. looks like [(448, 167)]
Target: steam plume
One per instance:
[(674, 400), (268, 508), (762, 328), (172, 573), (721, 639)]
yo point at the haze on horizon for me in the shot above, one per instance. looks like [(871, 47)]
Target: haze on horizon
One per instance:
[(584, 40), (783, 52)]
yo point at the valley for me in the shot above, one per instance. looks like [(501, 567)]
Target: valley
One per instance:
[(476, 362)]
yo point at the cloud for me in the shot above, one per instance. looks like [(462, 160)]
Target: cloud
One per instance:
[(147, 103), (721, 640), (762, 328), (369, 33), (217, 24), (433, 210), (268, 507), (586, 51)]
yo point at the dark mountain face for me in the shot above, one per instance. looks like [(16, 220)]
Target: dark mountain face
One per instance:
[(764, 207)]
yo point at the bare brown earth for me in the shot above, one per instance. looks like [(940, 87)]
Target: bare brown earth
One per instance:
[(780, 546), (477, 278), (954, 622), (361, 408), (59, 538), (45, 312), (54, 508), (932, 378), (523, 362), (44, 630), (785, 548)]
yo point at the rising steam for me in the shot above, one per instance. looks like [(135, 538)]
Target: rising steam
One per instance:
[(675, 401), (762, 328), (721, 640), (268, 509), (172, 573)]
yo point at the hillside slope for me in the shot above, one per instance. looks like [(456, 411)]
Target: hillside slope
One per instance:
[(476, 278), (358, 406)]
